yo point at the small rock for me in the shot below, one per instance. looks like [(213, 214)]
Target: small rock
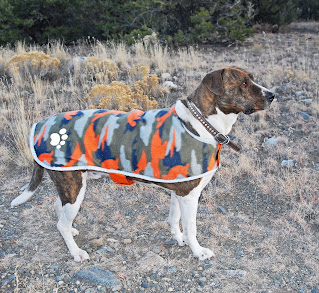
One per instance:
[(101, 276), (150, 260), (305, 116), (287, 163), (236, 273), (105, 249), (306, 101), (201, 281), (144, 285), (170, 242), (240, 253), (271, 141), (221, 210), (127, 241), (298, 94), (207, 266), (170, 85), (171, 269), (97, 242), (112, 240), (156, 250), (166, 76)]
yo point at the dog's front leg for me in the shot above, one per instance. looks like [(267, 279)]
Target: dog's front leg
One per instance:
[(188, 206), (174, 218)]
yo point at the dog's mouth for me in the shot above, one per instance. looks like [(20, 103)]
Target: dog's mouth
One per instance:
[(249, 111)]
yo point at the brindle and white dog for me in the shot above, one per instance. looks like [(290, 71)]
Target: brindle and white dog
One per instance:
[(219, 98)]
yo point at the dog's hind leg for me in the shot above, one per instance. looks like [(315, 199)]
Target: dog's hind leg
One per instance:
[(36, 178), (71, 187), (174, 218)]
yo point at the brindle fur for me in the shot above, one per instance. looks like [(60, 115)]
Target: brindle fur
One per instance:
[(37, 175), (68, 184), (180, 188), (223, 89)]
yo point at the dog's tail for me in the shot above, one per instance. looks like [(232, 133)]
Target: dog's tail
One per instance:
[(33, 185)]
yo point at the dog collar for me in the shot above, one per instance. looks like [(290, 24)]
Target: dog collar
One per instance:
[(219, 137)]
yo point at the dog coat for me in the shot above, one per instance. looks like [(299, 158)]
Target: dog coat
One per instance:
[(153, 145)]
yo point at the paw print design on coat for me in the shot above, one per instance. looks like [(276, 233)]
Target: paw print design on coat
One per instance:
[(58, 139)]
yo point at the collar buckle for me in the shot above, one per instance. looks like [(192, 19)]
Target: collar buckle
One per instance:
[(222, 139)]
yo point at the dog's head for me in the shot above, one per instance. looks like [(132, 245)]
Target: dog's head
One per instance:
[(233, 90)]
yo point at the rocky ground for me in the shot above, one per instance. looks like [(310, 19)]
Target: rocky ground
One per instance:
[(259, 214)]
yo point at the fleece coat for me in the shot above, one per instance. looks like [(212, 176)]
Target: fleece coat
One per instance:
[(153, 145)]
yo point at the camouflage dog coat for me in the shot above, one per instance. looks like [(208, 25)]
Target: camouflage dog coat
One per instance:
[(152, 145)]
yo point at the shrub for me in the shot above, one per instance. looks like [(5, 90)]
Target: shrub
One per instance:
[(277, 12), (139, 71), (33, 64), (101, 70), (121, 97)]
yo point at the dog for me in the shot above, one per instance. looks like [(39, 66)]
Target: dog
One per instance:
[(177, 149)]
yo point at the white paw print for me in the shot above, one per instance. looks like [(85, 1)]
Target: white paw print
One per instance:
[(58, 139)]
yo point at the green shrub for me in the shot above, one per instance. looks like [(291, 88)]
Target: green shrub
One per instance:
[(277, 11)]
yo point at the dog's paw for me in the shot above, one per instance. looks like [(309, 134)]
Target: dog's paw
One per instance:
[(74, 232), (81, 256), (203, 253), (179, 238)]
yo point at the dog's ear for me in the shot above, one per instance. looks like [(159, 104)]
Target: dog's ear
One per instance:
[(214, 82)]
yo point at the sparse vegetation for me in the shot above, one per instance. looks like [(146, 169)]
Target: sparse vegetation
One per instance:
[(268, 230)]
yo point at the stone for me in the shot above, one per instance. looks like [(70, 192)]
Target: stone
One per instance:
[(144, 285), (166, 76), (287, 163), (240, 253), (171, 269), (99, 276), (105, 249), (127, 241), (150, 260), (221, 210), (170, 242), (305, 116), (236, 273), (272, 141), (207, 266), (170, 85), (306, 101)]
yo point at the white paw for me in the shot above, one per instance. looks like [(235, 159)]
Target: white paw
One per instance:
[(75, 232), (203, 253), (81, 256), (179, 238)]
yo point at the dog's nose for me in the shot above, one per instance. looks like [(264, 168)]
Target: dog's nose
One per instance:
[(270, 96)]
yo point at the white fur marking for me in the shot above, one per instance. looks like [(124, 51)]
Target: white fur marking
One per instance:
[(188, 206), (173, 220), (69, 212), (22, 198)]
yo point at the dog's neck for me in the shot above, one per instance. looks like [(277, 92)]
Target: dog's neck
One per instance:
[(220, 121)]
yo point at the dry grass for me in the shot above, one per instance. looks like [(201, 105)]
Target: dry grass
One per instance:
[(272, 211)]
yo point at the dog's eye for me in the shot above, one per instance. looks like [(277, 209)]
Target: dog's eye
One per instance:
[(244, 84)]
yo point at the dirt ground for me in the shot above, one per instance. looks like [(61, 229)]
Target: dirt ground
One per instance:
[(259, 215)]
